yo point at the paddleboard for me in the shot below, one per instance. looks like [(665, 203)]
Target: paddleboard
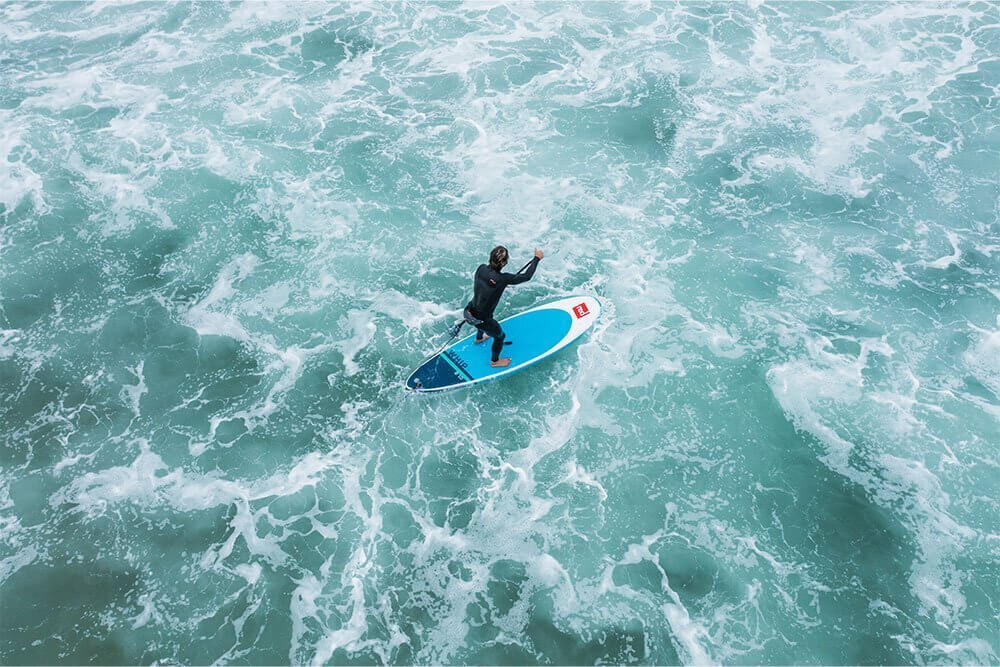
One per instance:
[(536, 333)]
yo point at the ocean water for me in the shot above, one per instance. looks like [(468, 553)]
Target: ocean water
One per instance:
[(228, 232)]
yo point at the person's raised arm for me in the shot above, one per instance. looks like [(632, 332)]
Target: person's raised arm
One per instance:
[(524, 275)]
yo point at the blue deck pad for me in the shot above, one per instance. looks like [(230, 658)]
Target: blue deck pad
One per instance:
[(533, 333)]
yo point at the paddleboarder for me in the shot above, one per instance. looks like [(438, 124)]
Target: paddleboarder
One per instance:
[(488, 286)]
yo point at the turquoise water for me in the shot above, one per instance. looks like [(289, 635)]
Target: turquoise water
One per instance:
[(228, 233)]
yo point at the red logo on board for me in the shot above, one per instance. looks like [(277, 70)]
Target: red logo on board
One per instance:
[(580, 310)]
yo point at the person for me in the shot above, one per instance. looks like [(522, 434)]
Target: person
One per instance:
[(488, 285)]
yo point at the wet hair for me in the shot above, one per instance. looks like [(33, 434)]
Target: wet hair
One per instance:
[(498, 258)]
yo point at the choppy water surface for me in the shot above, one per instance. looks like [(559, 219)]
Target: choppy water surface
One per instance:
[(227, 232)]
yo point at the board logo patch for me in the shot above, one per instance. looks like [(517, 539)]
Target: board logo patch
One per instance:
[(580, 310)]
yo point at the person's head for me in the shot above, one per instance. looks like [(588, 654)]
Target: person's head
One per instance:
[(498, 258)]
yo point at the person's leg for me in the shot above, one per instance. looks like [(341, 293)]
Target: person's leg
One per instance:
[(480, 333), (492, 327), (497, 345)]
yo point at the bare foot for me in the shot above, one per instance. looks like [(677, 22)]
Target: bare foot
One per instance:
[(477, 341), (500, 363)]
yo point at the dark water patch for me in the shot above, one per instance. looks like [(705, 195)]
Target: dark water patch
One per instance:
[(258, 447), (948, 295), (983, 263), (394, 471), (506, 585), (813, 519), (859, 531), (713, 170), (146, 255), (63, 605), (264, 638), (216, 630), (623, 643), (233, 359), (444, 87), (399, 524), (834, 326), (50, 282), (448, 476), (835, 513), (320, 405), (175, 17), (857, 547), (459, 514), (641, 576), (26, 398), (481, 630), (34, 57), (10, 96), (529, 65), (394, 55), (805, 199), (21, 312), (880, 645), (50, 410), (171, 539), (694, 574), (300, 541), (167, 370), (127, 330), (21, 210), (105, 44), (230, 430), (629, 491), (331, 148), (30, 495), (330, 496), (296, 504), (194, 77), (313, 393), (979, 591), (90, 119), (973, 386), (750, 276), (644, 129), (331, 47)]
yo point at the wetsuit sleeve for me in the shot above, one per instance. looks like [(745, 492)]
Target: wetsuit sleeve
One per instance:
[(523, 277)]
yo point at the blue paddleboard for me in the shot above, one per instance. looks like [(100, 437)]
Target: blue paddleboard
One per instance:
[(536, 334)]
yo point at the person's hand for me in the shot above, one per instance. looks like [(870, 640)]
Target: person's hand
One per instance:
[(539, 254)]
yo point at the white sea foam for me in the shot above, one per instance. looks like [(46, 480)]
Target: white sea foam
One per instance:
[(132, 394), (148, 484), (124, 197), (983, 358), (11, 564), (945, 262), (364, 330), (17, 180)]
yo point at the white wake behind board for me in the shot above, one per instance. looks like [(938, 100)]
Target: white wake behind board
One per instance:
[(536, 333)]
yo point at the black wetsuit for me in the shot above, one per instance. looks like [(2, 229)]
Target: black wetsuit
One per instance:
[(488, 286)]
